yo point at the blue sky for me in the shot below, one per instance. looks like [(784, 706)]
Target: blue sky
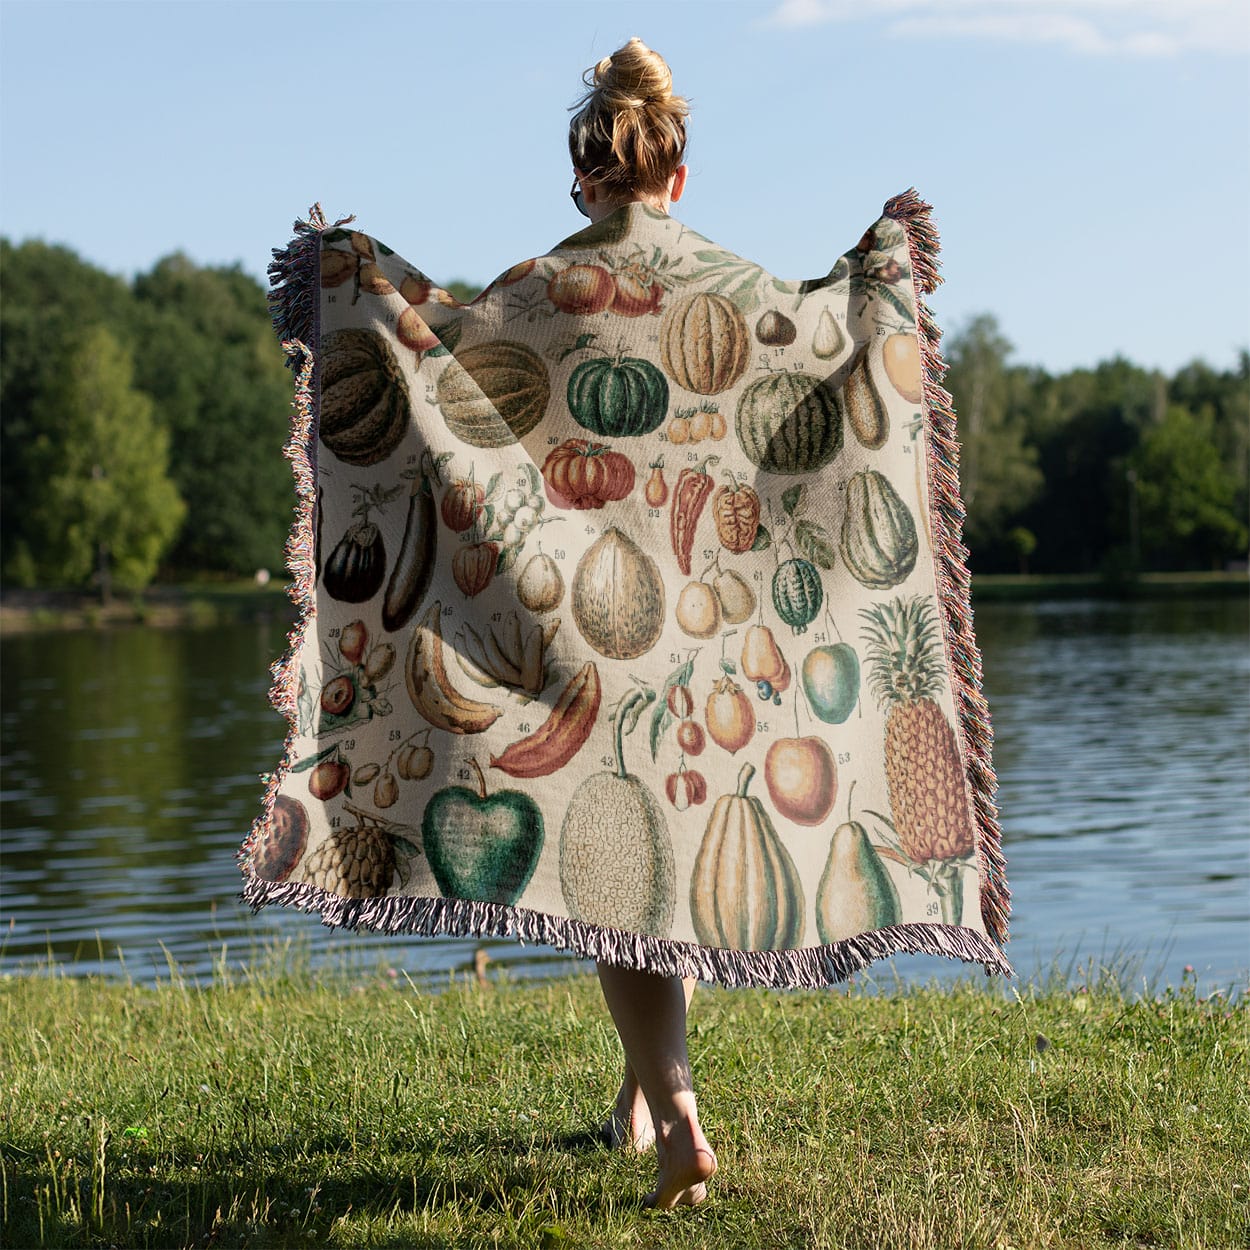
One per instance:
[(1088, 160)]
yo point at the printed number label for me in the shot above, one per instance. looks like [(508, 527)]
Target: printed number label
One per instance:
[(761, 726), (394, 736), (931, 909), (335, 821), (463, 774), (523, 727), (655, 513), (349, 744), (844, 757)]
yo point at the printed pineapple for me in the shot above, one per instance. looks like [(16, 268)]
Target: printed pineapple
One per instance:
[(361, 862), (923, 768)]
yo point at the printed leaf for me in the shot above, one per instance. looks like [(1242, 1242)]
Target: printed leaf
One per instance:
[(632, 717), (536, 481), (888, 852), (792, 500), (493, 485), (450, 334), (899, 305), (507, 558), (729, 668), (488, 517), (763, 539), (313, 760), (386, 251), (335, 236), (661, 718), (814, 540)]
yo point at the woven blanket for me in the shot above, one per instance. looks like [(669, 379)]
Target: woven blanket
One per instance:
[(634, 615)]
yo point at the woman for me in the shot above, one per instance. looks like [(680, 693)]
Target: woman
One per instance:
[(665, 733), (628, 141)]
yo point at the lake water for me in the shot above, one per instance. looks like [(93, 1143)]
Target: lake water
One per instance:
[(130, 774)]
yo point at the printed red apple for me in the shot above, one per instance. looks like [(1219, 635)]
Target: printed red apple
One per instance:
[(802, 779), (282, 840), (413, 332), (329, 778)]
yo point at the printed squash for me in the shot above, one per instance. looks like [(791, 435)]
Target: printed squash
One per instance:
[(745, 892), (493, 394), (879, 542), (705, 344), (790, 423), (364, 399), (618, 398)]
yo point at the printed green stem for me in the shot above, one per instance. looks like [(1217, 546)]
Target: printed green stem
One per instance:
[(627, 704)]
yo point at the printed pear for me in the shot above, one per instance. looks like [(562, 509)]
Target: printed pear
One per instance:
[(855, 894)]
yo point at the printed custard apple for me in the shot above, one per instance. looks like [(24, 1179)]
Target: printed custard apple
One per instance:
[(359, 862)]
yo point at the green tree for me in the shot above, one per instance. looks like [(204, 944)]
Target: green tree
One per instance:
[(997, 468), (1085, 424), (208, 357), (103, 504), (1186, 495), (51, 298)]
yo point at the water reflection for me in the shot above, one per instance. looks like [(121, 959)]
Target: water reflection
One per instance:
[(131, 764)]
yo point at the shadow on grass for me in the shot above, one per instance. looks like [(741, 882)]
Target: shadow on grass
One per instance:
[(251, 1198)]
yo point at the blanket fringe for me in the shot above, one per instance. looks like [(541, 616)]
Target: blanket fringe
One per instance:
[(808, 968), (294, 304), (954, 580)]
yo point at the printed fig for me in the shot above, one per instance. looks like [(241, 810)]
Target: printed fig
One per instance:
[(352, 641), (338, 695)]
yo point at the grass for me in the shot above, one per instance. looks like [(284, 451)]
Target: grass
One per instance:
[(292, 1109)]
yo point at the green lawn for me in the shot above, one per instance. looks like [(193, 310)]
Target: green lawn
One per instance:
[(292, 1110)]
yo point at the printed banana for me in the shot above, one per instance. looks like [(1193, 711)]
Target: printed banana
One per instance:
[(506, 656), (432, 694), (561, 735)]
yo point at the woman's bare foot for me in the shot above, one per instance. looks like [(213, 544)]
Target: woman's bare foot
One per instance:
[(686, 1165), (629, 1126)]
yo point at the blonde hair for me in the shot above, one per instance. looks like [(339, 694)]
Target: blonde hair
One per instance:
[(629, 133)]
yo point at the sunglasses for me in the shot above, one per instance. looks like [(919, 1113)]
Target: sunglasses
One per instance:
[(576, 196)]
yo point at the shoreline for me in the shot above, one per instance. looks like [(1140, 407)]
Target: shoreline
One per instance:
[(201, 605)]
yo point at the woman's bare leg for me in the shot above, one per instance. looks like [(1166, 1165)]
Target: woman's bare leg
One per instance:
[(629, 1125), (650, 1015)]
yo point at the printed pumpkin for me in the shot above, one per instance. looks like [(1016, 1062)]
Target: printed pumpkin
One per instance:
[(580, 474), (621, 398)]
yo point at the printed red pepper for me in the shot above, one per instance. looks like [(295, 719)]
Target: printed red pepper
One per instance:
[(691, 493)]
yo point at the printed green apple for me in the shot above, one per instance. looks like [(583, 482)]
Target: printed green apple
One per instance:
[(479, 846), (831, 681)]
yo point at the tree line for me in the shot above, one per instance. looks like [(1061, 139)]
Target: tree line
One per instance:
[(143, 422)]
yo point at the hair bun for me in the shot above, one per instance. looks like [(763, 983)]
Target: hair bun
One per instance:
[(629, 130), (633, 77)]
